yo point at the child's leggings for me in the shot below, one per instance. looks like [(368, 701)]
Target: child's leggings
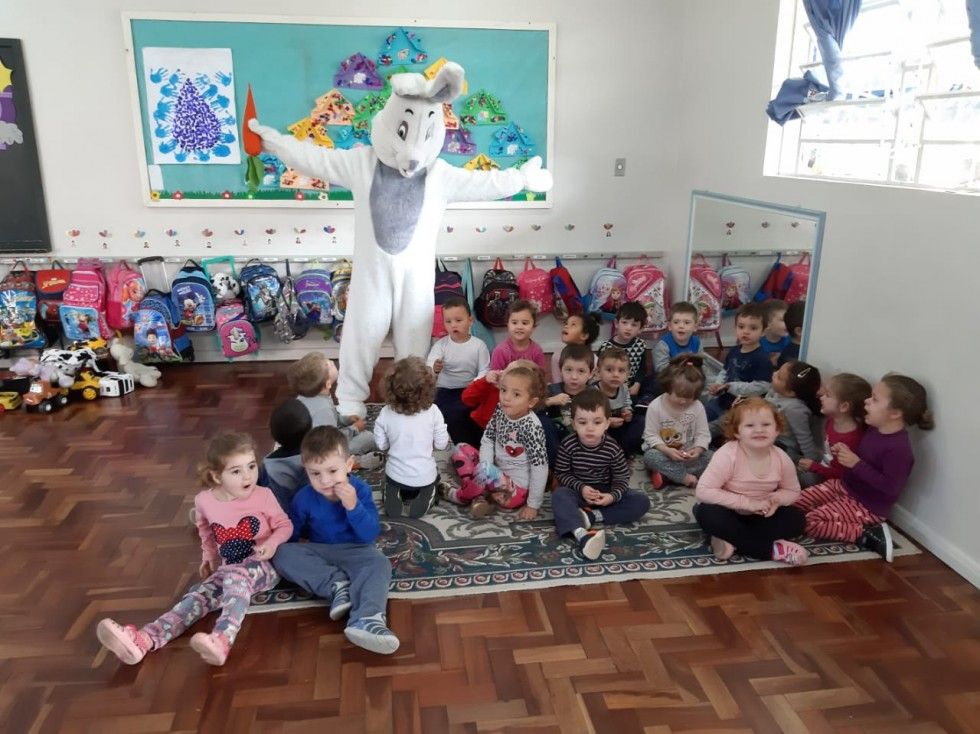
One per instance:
[(501, 488), (833, 514), (229, 589), (675, 471)]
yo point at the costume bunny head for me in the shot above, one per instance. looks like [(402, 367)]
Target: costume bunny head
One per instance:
[(408, 132)]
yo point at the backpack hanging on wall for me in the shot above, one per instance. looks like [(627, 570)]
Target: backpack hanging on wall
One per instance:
[(736, 286), (704, 291), (568, 298), (498, 292), (800, 281), (314, 293), (340, 284), (260, 287), (291, 321), (237, 335), (18, 311), (607, 290), (82, 307), (647, 285), (478, 329), (448, 284), (51, 284), (777, 282), (157, 336), (534, 285), (193, 297), (126, 288)]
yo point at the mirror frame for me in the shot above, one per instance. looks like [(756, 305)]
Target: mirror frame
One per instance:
[(818, 217)]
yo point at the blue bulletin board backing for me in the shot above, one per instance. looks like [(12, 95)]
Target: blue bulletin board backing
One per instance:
[(291, 62)]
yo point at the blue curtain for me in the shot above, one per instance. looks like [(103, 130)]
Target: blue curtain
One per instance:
[(831, 20), (973, 10)]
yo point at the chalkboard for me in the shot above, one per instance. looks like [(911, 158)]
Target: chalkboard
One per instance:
[(23, 216), (322, 79)]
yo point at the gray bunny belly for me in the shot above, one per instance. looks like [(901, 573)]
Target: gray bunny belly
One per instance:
[(396, 204)]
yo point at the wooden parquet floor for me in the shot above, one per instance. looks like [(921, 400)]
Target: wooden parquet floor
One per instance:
[(93, 507)]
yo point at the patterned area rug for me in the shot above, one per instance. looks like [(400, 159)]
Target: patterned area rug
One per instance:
[(448, 554)]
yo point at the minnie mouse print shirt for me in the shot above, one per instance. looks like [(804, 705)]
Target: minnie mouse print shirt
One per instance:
[(517, 448), (231, 530)]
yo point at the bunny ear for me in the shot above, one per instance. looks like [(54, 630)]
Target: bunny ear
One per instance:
[(445, 87)]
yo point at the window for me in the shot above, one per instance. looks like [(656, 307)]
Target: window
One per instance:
[(910, 114)]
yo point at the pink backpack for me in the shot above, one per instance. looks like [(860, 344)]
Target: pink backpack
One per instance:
[(646, 284), (126, 289), (704, 292), (800, 270), (236, 334), (534, 285), (82, 307)]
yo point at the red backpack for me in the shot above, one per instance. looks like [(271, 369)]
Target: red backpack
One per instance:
[(51, 284), (568, 298), (800, 279), (126, 289), (534, 285), (704, 291), (776, 283)]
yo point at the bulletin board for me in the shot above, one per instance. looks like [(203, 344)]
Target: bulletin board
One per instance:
[(322, 79)]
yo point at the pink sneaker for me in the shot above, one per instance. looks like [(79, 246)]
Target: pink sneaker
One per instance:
[(212, 648), (126, 643), (789, 552)]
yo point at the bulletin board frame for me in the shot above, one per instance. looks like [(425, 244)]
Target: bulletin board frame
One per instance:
[(534, 58)]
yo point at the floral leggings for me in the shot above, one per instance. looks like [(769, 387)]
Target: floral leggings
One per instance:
[(229, 589)]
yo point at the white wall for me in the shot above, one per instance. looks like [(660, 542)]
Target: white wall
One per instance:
[(896, 288)]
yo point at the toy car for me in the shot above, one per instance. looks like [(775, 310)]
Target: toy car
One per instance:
[(97, 345), (115, 384), (10, 401), (44, 398), (87, 384)]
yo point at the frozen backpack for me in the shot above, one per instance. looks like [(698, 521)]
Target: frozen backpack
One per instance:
[(340, 285), (777, 282), (260, 287), (126, 287), (607, 289), (314, 294), (568, 298), (646, 284), (704, 291), (18, 311), (51, 284), (157, 335), (448, 284), (82, 309), (193, 297), (534, 285), (498, 292), (736, 286), (290, 322), (800, 280), (237, 336)]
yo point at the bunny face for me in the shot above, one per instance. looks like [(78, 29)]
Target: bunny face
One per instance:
[(408, 132)]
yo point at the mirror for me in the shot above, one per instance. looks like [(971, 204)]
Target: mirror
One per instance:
[(741, 240)]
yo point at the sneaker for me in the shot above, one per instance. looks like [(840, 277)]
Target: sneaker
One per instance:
[(372, 460), (878, 538), (480, 508), (588, 519), (592, 544), (449, 490), (213, 648), (656, 479), (789, 552), (391, 500), (126, 643), (422, 502), (372, 634), (341, 603)]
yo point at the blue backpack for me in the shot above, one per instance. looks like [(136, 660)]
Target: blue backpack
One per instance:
[(18, 309), (260, 289), (193, 297), (607, 290), (314, 293), (156, 333)]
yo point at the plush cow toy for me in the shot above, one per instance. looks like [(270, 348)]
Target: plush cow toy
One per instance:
[(401, 188)]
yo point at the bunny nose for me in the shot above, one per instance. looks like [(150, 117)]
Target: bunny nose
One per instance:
[(412, 165)]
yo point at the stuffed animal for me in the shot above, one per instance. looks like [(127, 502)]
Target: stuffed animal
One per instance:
[(146, 375), (226, 288), (50, 372), (401, 188)]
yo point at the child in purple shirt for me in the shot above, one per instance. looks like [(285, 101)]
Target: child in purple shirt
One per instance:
[(522, 317)]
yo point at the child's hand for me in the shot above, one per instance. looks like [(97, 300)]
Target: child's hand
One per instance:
[(492, 376), (263, 552), (671, 453), (561, 398), (527, 513), (347, 495), (437, 366), (772, 504), (603, 499), (590, 494), (207, 568), (693, 453), (717, 387), (627, 415), (616, 422), (805, 464), (845, 457), (635, 389)]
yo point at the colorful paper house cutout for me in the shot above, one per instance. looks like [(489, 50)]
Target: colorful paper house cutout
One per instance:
[(433, 69), (357, 72), (449, 116), (402, 47), (366, 109), (293, 179), (306, 128), (482, 108), (459, 142), (333, 108), (362, 136), (344, 138), (511, 141), (481, 163)]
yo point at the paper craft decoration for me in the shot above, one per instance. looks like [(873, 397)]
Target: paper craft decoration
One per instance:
[(402, 47), (345, 138), (511, 141), (357, 72), (449, 117), (293, 179), (10, 134), (482, 108), (481, 163), (433, 69), (190, 105), (459, 142), (386, 91), (306, 128), (333, 108), (366, 109)]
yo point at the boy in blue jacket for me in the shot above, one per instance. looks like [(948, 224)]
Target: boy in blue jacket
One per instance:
[(340, 562)]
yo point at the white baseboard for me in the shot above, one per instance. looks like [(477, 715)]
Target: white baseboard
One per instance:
[(968, 568)]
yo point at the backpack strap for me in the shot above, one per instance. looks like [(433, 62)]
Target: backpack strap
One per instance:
[(224, 259), (528, 265), (498, 264), (611, 262), (804, 259)]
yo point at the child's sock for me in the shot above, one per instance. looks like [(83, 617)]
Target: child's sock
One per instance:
[(580, 533), (340, 603), (596, 516)]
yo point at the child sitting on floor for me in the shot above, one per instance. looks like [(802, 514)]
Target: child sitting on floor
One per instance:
[(241, 526), (793, 319), (408, 428), (593, 478), (775, 338), (855, 507), (794, 391), (748, 371), (613, 372), (340, 562), (576, 368), (842, 404), (579, 328), (630, 318), (522, 318), (282, 469)]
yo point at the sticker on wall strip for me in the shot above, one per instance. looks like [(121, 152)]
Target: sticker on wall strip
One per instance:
[(449, 229), (536, 227), (569, 227), (608, 227), (481, 229), (508, 228), (73, 233), (730, 226)]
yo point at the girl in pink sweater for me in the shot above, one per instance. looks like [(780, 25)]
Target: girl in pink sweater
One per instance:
[(746, 492), (240, 524)]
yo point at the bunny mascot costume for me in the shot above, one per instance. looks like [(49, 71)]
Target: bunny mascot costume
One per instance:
[(401, 188)]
